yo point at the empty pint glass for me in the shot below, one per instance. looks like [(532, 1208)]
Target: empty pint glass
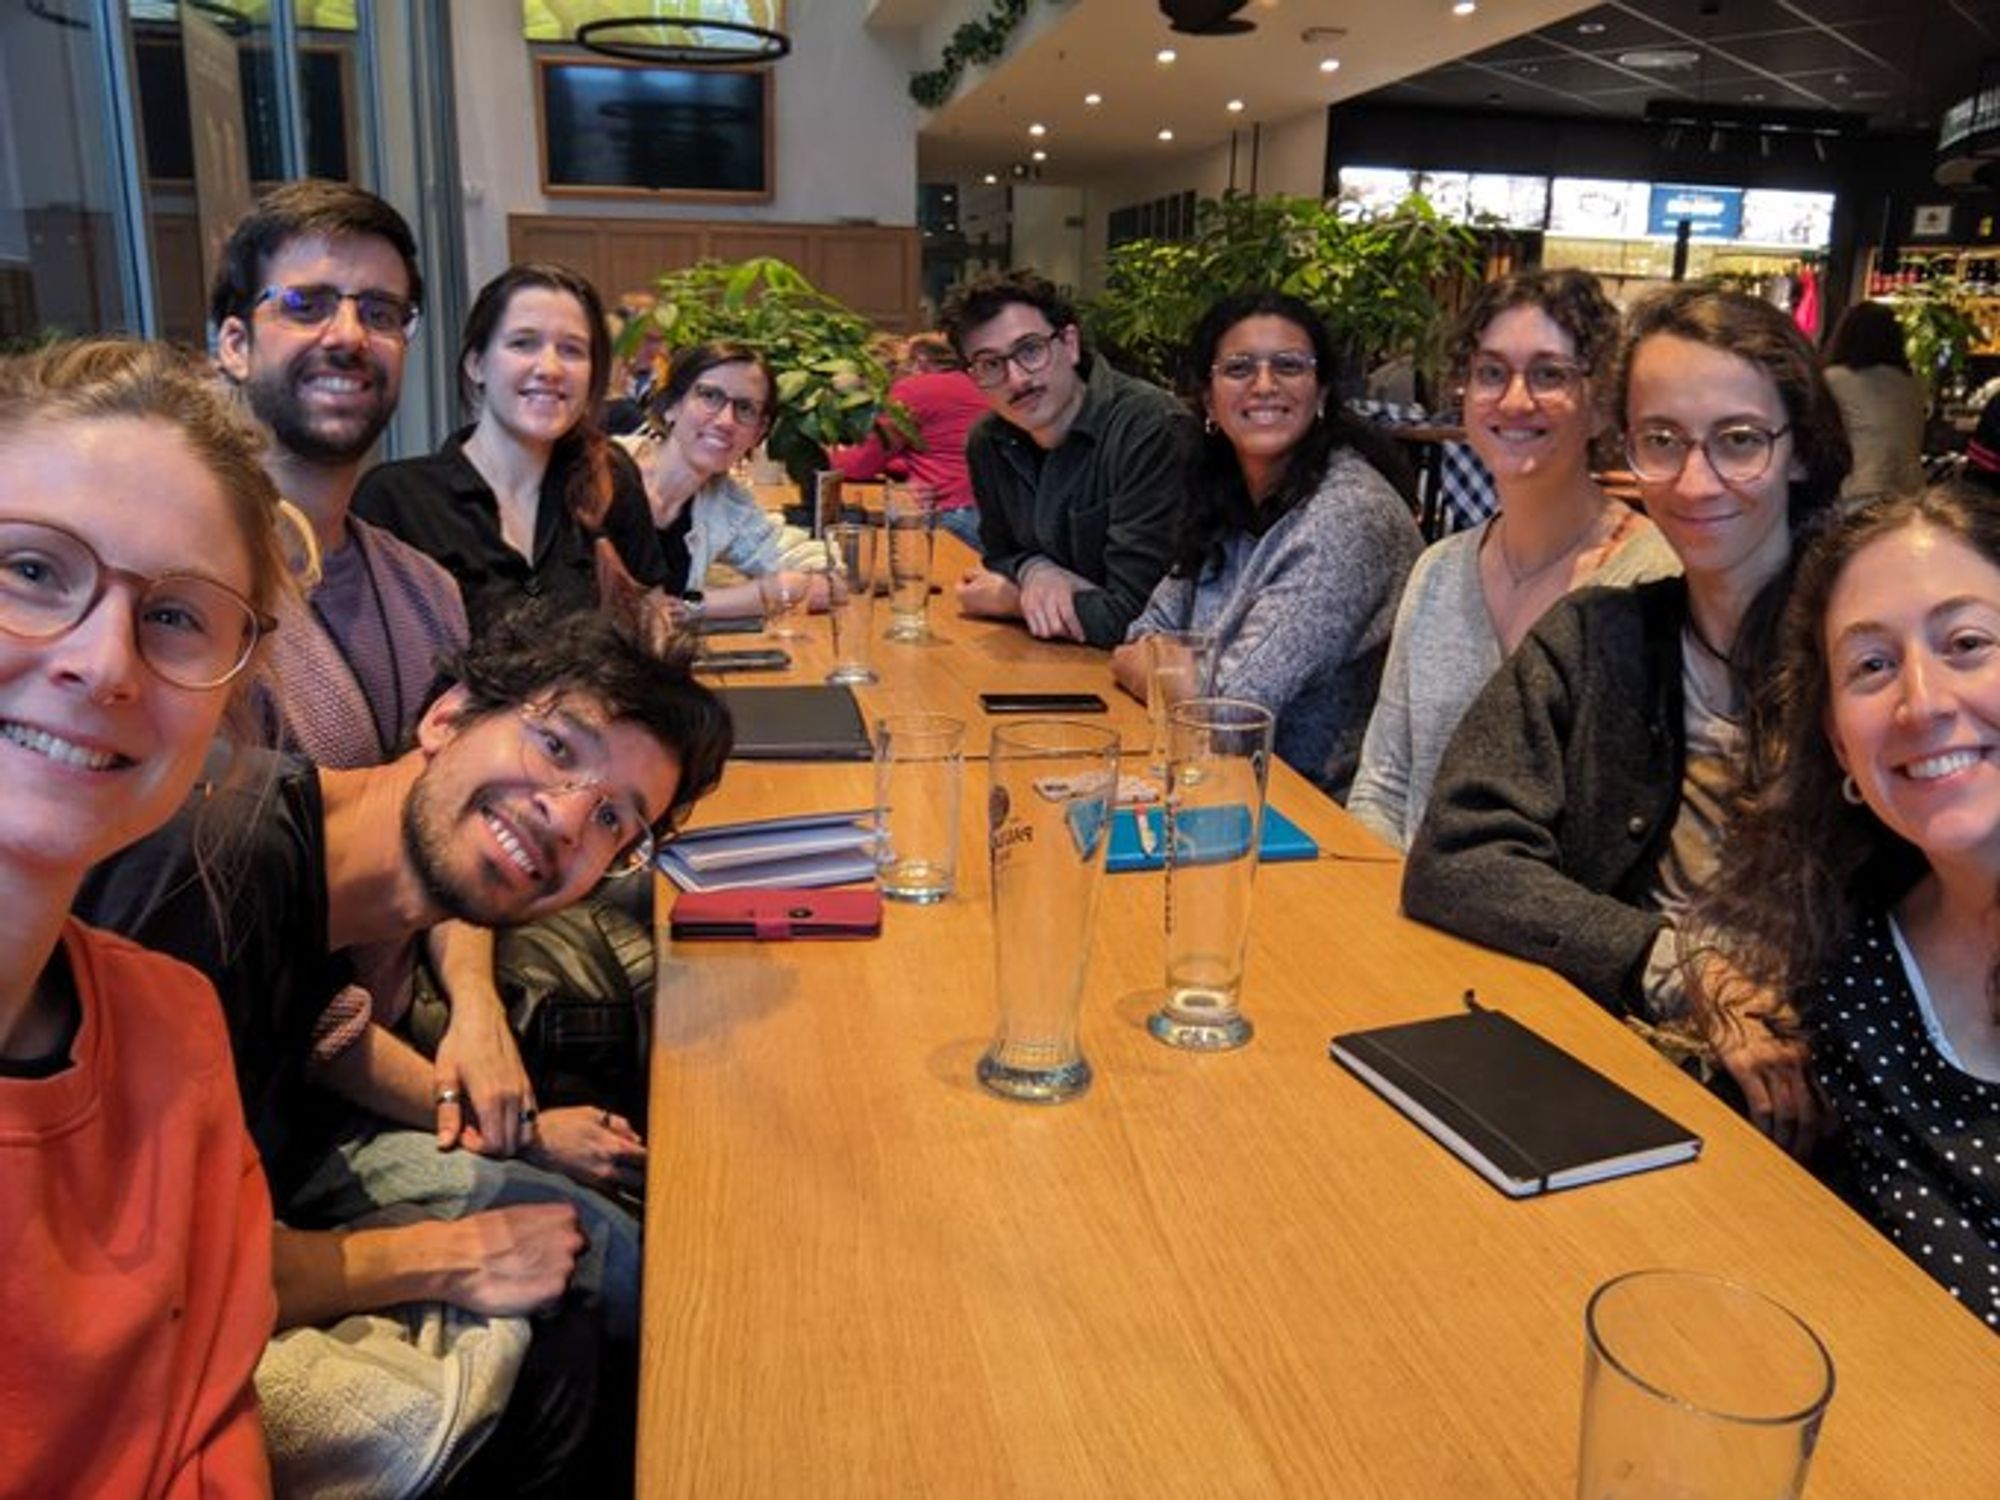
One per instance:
[(1053, 784), (1178, 665), (919, 780), (1218, 759), (909, 519), (850, 599)]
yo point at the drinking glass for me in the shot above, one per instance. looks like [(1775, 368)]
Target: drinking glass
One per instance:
[(1695, 1386), (909, 515), (850, 599), (1218, 761), (1178, 666), (919, 781), (1053, 785), (781, 594), (826, 499)]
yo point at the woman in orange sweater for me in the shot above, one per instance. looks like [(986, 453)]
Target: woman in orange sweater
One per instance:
[(138, 565)]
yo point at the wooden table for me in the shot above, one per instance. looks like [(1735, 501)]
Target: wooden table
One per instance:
[(1212, 1275)]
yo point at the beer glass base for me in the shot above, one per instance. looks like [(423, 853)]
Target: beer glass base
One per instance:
[(918, 882), (1034, 1085), (907, 633), (850, 676), (1224, 1031)]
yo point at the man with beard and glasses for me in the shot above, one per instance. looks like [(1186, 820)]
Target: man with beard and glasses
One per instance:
[(565, 747), (315, 301), (1080, 473)]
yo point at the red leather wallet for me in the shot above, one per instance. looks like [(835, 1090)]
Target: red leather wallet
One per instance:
[(776, 914)]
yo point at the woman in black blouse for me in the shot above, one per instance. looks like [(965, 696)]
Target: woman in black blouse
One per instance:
[(515, 503), (1862, 880)]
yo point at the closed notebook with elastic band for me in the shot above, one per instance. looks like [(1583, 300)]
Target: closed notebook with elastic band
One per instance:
[(806, 721), (1514, 1107)]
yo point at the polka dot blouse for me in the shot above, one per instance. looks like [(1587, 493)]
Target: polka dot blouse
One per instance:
[(1922, 1136)]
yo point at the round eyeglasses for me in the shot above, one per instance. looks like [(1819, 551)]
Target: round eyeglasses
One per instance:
[(1488, 378), (1033, 353), (190, 630), (1739, 453), (383, 314), (1286, 364), (711, 399), (552, 757)]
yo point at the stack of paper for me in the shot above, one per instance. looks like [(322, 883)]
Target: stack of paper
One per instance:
[(814, 849)]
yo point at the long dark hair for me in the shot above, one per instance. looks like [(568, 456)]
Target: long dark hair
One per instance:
[(1800, 861), (1220, 505), (589, 491), (1866, 335)]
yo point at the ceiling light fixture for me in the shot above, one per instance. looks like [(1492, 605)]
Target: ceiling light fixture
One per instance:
[(1093, 100), (1590, 28), (1166, 135), (1329, 65), (1164, 56), (991, 179), (1038, 129), (1038, 155), (1465, 7), (1234, 106)]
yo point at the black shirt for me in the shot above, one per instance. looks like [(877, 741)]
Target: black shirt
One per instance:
[(441, 505), (269, 960)]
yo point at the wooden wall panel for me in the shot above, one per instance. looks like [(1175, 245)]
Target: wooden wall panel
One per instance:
[(872, 268)]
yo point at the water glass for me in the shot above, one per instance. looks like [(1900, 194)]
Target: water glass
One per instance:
[(909, 516), (1218, 761), (850, 599), (1695, 1386), (782, 593), (919, 782), (1054, 784), (1179, 664), (826, 499)]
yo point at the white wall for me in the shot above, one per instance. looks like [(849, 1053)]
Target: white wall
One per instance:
[(1288, 157), (1049, 232), (846, 129)]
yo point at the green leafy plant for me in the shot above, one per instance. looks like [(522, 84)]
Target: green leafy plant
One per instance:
[(831, 386), (974, 44), (1380, 281), (1939, 333)]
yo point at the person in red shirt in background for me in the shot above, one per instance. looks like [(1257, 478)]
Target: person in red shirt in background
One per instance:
[(139, 566), (945, 403)]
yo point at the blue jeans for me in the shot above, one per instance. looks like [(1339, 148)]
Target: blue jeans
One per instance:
[(386, 1175), (962, 523)]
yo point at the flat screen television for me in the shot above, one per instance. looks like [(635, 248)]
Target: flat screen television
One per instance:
[(610, 127)]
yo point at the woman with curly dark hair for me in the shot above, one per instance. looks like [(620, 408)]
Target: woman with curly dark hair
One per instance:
[(1580, 806), (1528, 353), (1296, 540), (1860, 885), (514, 504)]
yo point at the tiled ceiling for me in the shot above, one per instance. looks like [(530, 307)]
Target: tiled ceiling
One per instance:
[(1898, 62)]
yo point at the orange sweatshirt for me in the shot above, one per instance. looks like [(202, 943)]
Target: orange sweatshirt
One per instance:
[(135, 1248)]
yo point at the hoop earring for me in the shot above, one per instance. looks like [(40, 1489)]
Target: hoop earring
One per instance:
[(1850, 791)]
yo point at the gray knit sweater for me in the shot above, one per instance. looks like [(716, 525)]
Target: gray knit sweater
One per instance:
[(1301, 615)]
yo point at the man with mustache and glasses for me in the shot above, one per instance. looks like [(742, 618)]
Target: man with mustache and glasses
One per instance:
[(1080, 472), (565, 746)]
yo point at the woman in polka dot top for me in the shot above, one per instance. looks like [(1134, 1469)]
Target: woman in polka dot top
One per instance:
[(1863, 878)]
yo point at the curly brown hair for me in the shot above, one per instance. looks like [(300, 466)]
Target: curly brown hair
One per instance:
[(1800, 861)]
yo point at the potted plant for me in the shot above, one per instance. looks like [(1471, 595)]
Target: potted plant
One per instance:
[(1939, 333), (831, 386), (1377, 279)]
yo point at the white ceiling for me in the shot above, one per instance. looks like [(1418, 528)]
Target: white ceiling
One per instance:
[(1063, 52)]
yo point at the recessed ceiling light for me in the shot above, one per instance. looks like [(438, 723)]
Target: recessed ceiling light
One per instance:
[(1755, 98), (1590, 28), (1164, 56), (1038, 156), (1842, 79), (991, 179), (1166, 135), (1234, 106), (1659, 59), (1093, 99), (1329, 65), (1465, 7), (1038, 129)]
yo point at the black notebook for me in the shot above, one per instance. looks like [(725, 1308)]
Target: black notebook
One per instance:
[(803, 722), (1518, 1110)]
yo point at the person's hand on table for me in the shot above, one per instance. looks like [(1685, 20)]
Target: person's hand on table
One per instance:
[(1128, 667), (988, 595), (591, 1146), (1048, 601)]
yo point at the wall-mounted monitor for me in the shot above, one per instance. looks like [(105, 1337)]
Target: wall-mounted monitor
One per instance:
[(611, 128)]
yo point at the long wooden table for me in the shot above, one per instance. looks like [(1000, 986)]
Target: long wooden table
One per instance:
[(1239, 1274)]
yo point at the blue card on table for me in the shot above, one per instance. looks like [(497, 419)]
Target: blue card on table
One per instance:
[(1216, 833)]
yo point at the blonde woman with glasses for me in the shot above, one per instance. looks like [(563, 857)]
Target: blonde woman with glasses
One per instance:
[(1527, 352), (1296, 541)]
